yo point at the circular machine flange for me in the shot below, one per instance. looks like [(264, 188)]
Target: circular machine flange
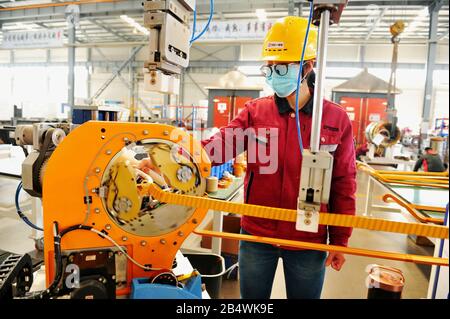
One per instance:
[(168, 159), (384, 129)]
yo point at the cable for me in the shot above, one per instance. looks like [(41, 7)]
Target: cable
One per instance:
[(89, 172), (144, 175), (19, 211), (122, 250), (230, 269), (300, 73), (194, 24), (57, 237), (211, 13)]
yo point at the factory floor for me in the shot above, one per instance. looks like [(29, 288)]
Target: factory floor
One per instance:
[(348, 283)]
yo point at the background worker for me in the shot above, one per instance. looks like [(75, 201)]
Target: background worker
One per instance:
[(430, 162), (303, 269)]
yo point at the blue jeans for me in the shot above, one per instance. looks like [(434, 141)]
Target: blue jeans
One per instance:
[(304, 271)]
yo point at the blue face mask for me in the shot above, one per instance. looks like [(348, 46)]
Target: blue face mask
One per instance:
[(284, 85)]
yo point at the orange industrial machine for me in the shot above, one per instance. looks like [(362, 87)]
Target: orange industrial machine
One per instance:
[(94, 210)]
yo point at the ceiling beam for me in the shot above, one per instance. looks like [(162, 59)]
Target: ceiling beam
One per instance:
[(117, 34), (228, 64), (135, 7), (86, 10), (443, 35)]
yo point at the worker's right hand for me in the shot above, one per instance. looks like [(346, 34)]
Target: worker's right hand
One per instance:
[(336, 260), (146, 165)]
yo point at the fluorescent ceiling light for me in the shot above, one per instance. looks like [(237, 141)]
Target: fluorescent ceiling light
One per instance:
[(261, 14), (412, 26), (134, 24)]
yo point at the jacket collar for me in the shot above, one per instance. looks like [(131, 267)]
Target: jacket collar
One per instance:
[(284, 107)]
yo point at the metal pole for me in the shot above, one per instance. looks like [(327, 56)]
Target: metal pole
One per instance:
[(182, 85), (48, 61), (194, 118), (115, 74), (89, 70), (291, 7), (430, 66), (12, 89), (165, 108), (71, 57), (132, 90), (320, 81), (362, 55)]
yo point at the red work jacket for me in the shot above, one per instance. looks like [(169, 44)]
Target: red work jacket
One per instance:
[(275, 133)]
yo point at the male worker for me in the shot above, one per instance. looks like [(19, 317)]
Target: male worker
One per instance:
[(430, 162), (303, 269)]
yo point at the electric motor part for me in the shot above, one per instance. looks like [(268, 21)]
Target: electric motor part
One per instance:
[(91, 289), (57, 136), (42, 171), (123, 205), (89, 265), (24, 135), (165, 277), (44, 137), (184, 174)]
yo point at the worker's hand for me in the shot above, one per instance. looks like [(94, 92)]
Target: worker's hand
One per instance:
[(336, 260), (146, 165)]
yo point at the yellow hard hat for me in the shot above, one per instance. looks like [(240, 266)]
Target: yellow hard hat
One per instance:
[(284, 41)]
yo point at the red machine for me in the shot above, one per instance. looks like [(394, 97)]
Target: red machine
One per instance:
[(362, 111), (365, 97), (227, 107)]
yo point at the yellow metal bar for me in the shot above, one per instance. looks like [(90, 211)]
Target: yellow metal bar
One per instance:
[(416, 179), (427, 260), (374, 173), (437, 174), (291, 215), (386, 180), (58, 4), (411, 210), (430, 208)]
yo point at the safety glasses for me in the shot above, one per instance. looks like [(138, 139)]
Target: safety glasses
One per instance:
[(280, 69)]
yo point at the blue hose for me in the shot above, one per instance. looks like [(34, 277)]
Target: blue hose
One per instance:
[(300, 73), (19, 211), (211, 13)]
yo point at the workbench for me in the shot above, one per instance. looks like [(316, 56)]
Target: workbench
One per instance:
[(11, 169), (11, 166), (232, 193)]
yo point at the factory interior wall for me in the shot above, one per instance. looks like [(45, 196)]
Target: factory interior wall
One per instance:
[(41, 90)]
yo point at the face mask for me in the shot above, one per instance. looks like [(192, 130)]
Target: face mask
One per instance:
[(284, 85)]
